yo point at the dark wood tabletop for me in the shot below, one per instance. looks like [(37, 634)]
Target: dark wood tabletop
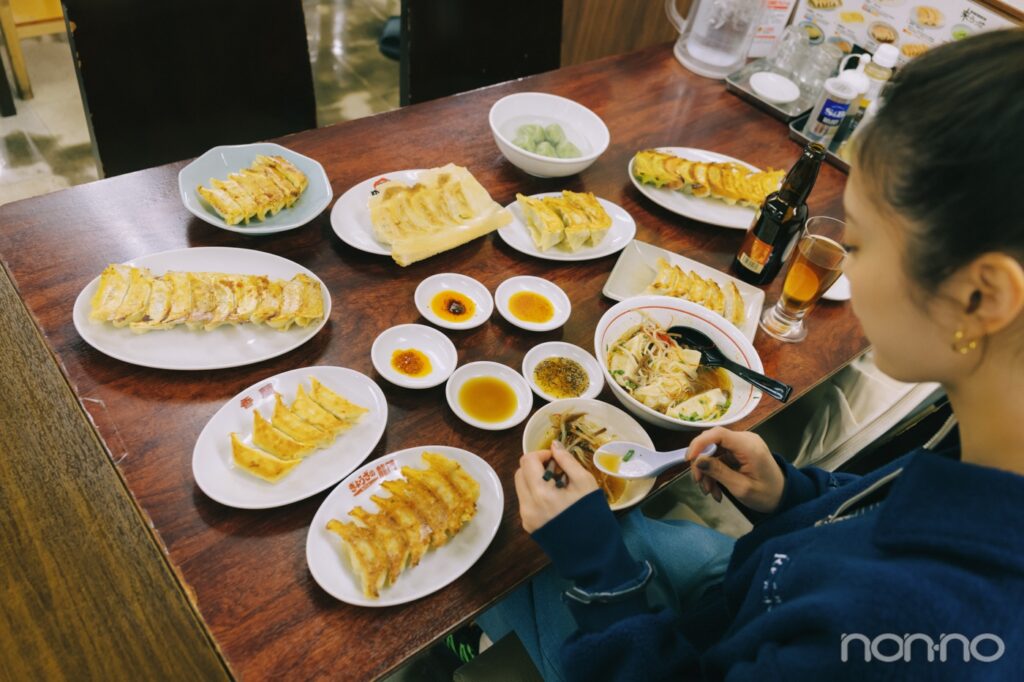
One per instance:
[(246, 570)]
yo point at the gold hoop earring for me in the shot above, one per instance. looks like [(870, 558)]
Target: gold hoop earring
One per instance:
[(959, 346)]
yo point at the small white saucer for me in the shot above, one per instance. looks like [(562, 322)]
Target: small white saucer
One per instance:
[(560, 349), (840, 291), (436, 346), (490, 369), (451, 281), (538, 285), (774, 88)]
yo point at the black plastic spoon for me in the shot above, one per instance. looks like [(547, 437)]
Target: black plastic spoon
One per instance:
[(711, 356)]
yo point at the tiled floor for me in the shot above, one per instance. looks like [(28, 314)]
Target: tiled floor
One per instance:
[(47, 147)]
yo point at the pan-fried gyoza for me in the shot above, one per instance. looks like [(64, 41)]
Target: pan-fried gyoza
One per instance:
[(270, 184), (424, 510)]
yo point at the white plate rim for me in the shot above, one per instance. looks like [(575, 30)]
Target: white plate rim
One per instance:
[(656, 194), (626, 226), (80, 315), (554, 323), (200, 452), (217, 221), (522, 410), (591, 365), (754, 296), (396, 379), (491, 494), (641, 486), (473, 322), (360, 236)]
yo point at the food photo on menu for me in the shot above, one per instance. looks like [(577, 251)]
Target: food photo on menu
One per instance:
[(480, 349)]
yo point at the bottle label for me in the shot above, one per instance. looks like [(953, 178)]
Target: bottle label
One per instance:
[(758, 257), (832, 112)]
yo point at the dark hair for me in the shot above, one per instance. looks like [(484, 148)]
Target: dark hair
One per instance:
[(946, 150)]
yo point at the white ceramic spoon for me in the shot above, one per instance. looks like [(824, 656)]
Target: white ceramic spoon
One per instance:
[(643, 462)]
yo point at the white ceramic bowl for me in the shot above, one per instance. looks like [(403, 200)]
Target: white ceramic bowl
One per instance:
[(553, 349), (619, 424), (666, 312), (582, 127), (432, 343), (450, 281), (221, 161), (511, 377), (537, 285)]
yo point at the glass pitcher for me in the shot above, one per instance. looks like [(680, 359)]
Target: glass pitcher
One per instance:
[(716, 34)]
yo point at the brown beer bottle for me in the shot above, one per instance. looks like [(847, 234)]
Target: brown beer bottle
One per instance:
[(779, 221)]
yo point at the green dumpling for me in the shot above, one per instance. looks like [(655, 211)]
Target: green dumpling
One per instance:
[(555, 134), (567, 150), (546, 149), (525, 142), (533, 131)]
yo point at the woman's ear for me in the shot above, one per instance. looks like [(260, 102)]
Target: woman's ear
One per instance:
[(992, 292)]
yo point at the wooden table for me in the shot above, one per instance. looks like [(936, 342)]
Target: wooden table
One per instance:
[(246, 570)]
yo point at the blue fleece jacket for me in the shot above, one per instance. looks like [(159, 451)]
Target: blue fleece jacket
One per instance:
[(922, 560)]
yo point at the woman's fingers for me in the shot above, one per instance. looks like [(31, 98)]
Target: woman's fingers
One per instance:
[(714, 468), (713, 436), (563, 458)]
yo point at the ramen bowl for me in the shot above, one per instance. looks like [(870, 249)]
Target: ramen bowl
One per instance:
[(667, 312)]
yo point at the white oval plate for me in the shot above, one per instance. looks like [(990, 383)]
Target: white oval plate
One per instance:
[(618, 423), (438, 567), (517, 235), (215, 471), (181, 348), (707, 210), (451, 281), (553, 349), (538, 285), (511, 377), (219, 162), (637, 267), (432, 343), (350, 217)]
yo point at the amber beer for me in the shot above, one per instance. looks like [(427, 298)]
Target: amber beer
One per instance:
[(818, 263), (779, 221)]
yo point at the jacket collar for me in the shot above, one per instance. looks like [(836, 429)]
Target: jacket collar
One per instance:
[(941, 505)]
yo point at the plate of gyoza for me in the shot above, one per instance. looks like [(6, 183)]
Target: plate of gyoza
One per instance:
[(201, 308), (289, 436), (404, 526)]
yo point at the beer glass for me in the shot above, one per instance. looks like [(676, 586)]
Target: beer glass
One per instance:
[(816, 266)]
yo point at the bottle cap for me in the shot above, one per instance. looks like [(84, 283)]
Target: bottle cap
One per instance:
[(838, 87), (857, 78), (886, 55)]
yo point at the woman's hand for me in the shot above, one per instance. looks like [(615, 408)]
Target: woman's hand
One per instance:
[(541, 500), (743, 464)]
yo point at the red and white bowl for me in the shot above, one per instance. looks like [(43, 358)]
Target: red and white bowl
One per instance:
[(666, 312)]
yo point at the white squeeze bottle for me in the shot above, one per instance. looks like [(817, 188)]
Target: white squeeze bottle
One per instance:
[(860, 82), (879, 71)]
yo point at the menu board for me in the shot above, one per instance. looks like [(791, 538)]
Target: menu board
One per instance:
[(913, 26)]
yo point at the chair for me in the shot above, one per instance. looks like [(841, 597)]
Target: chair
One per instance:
[(165, 80)]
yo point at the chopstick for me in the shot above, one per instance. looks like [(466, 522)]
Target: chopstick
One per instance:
[(553, 471)]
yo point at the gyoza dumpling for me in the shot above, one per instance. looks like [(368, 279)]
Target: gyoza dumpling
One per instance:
[(426, 505), (255, 188), (306, 408), (270, 301), (287, 169), (156, 309), (223, 203), (412, 522), (734, 308), (545, 226), (225, 295), (389, 536), (291, 304), (204, 299), (701, 407), (259, 463), (600, 221), (181, 298), (295, 426), (311, 306), (443, 490), (277, 443), (369, 561), (110, 291), (577, 224), (341, 408), (136, 300), (246, 202)]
